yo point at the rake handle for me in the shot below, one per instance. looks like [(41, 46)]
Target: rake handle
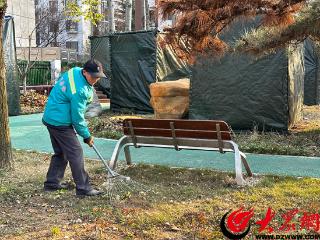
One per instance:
[(110, 171)]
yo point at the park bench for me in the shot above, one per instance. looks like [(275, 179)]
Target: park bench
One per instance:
[(206, 135)]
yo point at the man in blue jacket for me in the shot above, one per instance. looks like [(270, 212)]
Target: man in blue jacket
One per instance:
[(64, 117)]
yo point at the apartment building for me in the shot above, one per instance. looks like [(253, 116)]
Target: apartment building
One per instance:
[(71, 36), (60, 31), (23, 12)]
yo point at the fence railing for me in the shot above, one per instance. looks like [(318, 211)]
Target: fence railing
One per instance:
[(39, 74)]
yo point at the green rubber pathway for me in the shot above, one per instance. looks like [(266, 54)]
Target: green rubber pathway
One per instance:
[(28, 133)]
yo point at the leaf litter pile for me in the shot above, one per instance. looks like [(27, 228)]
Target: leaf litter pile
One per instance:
[(32, 102)]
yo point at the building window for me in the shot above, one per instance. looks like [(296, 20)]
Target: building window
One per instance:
[(72, 45), (53, 6), (54, 26), (54, 44), (71, 26)]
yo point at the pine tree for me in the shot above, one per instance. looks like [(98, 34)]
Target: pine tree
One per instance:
[(201, 22)]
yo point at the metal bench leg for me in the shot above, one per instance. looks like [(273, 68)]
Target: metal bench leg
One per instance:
[(127, 154), (238, 166), (113, 162), (245, 163)]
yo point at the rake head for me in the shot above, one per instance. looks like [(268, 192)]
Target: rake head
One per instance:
[(120, 188), (118, 176)]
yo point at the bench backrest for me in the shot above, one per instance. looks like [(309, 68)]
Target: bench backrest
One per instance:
[(202, 129)]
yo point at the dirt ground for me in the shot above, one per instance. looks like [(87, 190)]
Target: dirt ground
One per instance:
[(179, 203)]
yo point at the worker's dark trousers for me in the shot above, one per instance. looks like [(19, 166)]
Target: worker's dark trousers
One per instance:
[(66, 148)]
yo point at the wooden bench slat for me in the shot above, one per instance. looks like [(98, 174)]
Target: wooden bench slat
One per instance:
[(178, 124), (152, 132)]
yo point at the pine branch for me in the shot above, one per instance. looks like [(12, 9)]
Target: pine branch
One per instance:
[(201, 22), (269, 39)]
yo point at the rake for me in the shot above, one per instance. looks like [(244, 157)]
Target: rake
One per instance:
[(119, 186)]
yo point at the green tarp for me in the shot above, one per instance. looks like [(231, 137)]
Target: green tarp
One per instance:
[(247, 92), (8, 42), (169, 67), (311, 80), (133, 67), (133, 61)]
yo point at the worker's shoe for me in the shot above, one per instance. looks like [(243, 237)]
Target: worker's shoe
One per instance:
[(90, 193), (62, 186)]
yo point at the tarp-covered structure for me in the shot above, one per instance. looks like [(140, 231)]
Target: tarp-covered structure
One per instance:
[(8, 42), (312, 73), (246, 91), (132, 62)]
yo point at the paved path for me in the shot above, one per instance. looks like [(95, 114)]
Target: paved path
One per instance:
[(28, 133)]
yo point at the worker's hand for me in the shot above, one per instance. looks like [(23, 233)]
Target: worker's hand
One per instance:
[(89, 141)]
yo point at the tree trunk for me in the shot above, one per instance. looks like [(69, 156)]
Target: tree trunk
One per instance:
[(5, 144), (24, 83), (28, 65), (144, 14), (157, 14), (97, 28), (112, 27), (140, 15), (147, 15), (128, 15)]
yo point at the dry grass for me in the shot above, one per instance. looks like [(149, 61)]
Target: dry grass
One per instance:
[(184, 204)]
